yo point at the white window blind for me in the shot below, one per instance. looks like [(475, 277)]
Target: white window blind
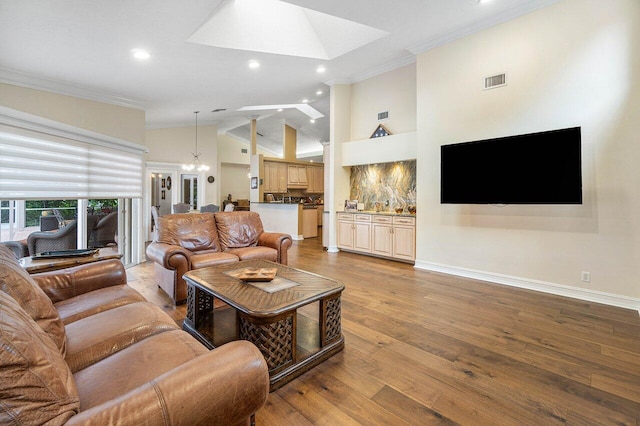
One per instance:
[(40, 165)]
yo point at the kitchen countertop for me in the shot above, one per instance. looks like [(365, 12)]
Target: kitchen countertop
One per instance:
[(373, 212), (280, 202)]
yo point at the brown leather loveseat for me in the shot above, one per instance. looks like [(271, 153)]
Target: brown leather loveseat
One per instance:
[(79, 346), (187, 241)]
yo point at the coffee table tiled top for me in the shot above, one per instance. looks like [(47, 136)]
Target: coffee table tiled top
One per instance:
[(291, 289)]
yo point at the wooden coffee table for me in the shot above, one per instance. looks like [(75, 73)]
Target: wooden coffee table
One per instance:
[(294, 320)]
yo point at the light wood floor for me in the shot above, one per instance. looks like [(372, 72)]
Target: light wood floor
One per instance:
[(426, 348)]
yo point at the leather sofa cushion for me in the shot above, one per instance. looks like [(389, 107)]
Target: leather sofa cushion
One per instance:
[(202, 260), (192, 231), (258, 252), (100, 300), (98, 336), (70, 282), (17, 283), (134, 366), (36, 386), (238, 229)]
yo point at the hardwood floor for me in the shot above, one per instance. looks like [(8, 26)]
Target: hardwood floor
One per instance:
[(427, 348)]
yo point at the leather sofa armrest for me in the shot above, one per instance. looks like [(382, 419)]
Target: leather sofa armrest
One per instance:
[(66, 283), (279, 241), (224, 386), (168, 255)]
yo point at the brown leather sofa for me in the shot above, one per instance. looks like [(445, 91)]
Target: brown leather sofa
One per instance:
[(196, 240), (81, 347)]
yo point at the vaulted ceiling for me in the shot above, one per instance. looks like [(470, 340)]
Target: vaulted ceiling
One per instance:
[(200, 61)]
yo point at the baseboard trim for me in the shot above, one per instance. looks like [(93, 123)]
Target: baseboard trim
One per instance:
[(529, 284)]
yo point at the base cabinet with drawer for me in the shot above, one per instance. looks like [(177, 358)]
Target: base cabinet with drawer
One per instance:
[(380, 235), (354, 232)]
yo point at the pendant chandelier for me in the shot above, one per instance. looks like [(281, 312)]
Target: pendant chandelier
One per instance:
[(196, 155)]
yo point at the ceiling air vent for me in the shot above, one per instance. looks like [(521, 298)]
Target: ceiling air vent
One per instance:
[(383, 115), (495, 81), (219, 110)]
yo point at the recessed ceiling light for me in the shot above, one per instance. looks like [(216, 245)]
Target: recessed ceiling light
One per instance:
[(321, 68), (253, 64), (319, 92), (483, 1), (312, 121), (280, 109), (140, 54), (305, 101)]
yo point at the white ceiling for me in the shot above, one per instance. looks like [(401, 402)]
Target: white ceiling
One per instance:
[(82, 48)]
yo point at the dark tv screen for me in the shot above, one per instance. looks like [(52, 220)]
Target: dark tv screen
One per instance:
[(536, 168)]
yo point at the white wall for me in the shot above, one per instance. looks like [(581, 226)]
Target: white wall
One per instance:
[(234, 182), (575, 63), (230, 150), (394, 91), (176, 145), (112, 120)]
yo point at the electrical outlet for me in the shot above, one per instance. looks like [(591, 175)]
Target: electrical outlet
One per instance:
[(586, 276)]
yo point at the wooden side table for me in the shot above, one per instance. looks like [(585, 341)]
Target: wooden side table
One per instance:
[(34, 266)]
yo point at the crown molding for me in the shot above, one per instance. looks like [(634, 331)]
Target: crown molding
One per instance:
[(384, 68), (23, 120), (29, 81), (514, 12), (335, 81)]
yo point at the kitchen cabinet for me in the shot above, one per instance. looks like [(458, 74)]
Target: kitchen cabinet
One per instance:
[(297, 176), (354, 232), (381, 235), (309, 222), (275, 177), (404, 238), (394, 236), (315, 177)]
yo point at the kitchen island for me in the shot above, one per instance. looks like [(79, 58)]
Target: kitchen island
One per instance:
[(280, 217)]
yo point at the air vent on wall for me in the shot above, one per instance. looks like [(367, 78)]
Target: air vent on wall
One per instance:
[(383, 115), (495, 81)]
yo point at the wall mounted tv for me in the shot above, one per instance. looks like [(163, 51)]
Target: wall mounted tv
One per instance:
[(536, 168)]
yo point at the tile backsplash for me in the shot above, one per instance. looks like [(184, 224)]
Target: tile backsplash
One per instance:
[(390, 184)]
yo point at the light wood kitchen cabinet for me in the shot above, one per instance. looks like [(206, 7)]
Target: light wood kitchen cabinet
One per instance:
[(275, 177), (297, 176), (354, 232), (394, 237), (309, 223), (387, 235), (315, 177), (382, 235), (404, 238)]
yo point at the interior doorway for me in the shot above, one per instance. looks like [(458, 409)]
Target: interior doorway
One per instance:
[(190, 190), (161, 191)]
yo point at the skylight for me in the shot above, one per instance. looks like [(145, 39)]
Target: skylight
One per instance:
[(273, 26)]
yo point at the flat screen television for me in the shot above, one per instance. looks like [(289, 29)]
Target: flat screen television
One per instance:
[(536, 168)]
